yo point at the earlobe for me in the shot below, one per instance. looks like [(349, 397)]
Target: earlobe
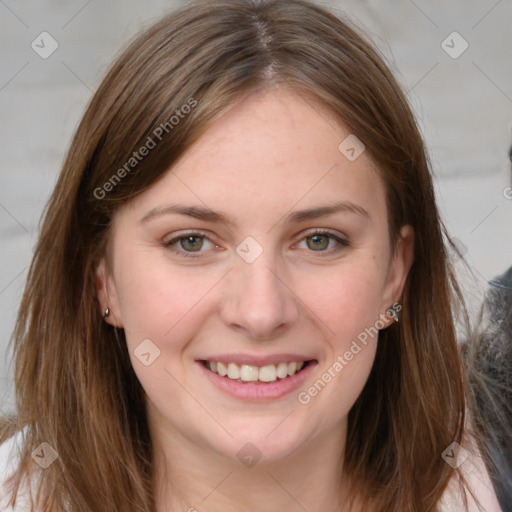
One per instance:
[(107, 295)]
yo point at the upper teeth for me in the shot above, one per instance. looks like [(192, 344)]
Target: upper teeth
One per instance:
[(250, 373)]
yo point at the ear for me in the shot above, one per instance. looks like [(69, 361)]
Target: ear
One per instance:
[(401, 262), (107, 294)]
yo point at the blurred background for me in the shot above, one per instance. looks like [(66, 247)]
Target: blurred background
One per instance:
[(452, 58)]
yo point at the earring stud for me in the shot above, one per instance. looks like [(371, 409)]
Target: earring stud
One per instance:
[(107, 312), (391, 312)]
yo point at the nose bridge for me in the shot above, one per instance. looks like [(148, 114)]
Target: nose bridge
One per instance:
[(259, 301), (261, 281)]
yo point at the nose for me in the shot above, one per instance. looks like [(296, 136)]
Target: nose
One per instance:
[(258, 301)]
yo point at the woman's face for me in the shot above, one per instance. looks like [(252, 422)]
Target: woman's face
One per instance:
[(263, 251)]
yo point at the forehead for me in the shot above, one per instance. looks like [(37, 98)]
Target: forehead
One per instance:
[(272, 151)]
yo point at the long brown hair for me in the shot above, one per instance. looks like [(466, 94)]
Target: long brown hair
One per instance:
[(75, 386)]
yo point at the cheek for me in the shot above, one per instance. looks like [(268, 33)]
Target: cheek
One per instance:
[(348, 308), (156, 301), (163, 306), (346, 300)]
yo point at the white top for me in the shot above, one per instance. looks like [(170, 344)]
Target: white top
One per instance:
[(475, 473), (473, 468), (8, 460)]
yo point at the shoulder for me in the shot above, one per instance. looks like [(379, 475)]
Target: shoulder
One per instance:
[(470, 463), (9, 457)]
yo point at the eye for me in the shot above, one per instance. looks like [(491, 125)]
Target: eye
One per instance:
[(189, 243), (323, 241), (194, 244)]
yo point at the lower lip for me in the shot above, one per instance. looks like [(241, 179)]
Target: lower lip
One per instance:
[(258, 392)]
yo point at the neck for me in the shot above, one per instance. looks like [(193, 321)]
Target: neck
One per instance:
[(193, 478)]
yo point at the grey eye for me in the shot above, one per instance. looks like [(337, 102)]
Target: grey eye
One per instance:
[(318, 242), (192, 243)]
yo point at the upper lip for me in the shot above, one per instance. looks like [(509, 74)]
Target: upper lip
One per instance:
[(253, 360)]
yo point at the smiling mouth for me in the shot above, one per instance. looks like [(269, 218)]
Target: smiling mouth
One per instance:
[(250, 374)]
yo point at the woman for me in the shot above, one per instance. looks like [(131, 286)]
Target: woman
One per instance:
[(240, 298)]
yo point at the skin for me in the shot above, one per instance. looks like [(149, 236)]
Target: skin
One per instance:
[(272, 154)]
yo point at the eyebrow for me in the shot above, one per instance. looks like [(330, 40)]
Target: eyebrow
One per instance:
[(208, 215), (325, 211)]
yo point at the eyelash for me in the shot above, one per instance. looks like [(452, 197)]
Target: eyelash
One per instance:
[(170, 244)]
